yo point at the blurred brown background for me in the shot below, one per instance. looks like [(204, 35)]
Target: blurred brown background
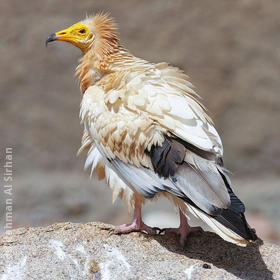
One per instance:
[(230, 49)]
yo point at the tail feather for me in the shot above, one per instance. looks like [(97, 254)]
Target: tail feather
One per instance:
[(237, 223), (233, 217), (222, 230), (230, 223)]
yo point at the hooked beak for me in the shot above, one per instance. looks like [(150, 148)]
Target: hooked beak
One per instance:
[(52, 37), (63, 35)]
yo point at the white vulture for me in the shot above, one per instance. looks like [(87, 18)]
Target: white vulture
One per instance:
[(148, 134)]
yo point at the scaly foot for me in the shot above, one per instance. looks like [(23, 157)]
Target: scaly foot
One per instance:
[(182, 231), (136, 225)]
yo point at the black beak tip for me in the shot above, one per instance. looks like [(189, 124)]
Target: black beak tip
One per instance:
[(51, 38)]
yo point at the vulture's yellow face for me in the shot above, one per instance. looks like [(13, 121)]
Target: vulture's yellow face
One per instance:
[(78, 34)]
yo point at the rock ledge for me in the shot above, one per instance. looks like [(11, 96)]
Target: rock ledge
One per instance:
[(88, 251)]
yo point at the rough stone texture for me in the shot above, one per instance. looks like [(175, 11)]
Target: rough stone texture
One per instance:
[(230, 49), (88, 251)]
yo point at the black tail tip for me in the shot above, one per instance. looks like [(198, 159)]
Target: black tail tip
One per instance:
[(252, 234)]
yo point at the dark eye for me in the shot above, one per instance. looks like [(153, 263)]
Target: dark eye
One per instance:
[(82, 31)]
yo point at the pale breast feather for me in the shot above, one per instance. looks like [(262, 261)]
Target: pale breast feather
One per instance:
[(122, 132)]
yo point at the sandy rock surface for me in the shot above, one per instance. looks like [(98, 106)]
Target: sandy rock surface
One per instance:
[(89, 251)]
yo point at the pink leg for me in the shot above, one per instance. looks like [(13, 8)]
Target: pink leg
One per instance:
[(137, 223), (183, 230)]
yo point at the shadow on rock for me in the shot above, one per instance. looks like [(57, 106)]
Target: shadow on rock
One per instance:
[(243, 262)]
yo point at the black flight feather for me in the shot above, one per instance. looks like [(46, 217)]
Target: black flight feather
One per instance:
[(167, 158)]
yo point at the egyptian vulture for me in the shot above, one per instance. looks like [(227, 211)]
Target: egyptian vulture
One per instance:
[(148, 134)]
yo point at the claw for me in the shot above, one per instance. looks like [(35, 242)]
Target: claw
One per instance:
[(111, 231), (157, 230)]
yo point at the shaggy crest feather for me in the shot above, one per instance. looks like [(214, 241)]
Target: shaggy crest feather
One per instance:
[(106, 32)]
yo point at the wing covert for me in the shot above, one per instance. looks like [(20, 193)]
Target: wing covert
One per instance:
[(166, 96)]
